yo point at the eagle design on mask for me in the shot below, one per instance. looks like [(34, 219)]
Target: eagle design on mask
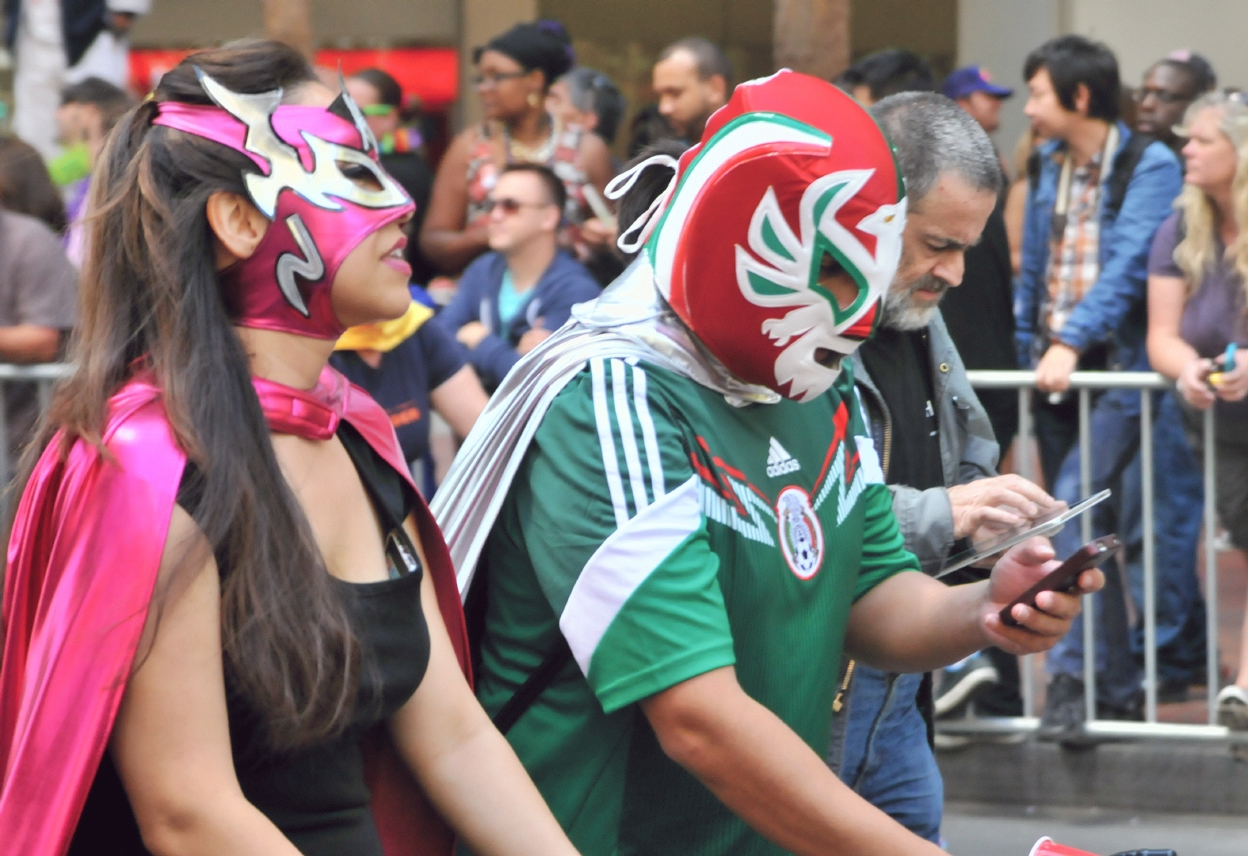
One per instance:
[(781, 269)]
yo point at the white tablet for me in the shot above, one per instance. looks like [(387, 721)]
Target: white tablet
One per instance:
[(1046, 525)]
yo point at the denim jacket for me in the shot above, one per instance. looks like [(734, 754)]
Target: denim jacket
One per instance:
[(1113, 309)]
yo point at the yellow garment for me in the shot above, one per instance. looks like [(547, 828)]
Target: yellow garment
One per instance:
[(384, 336)]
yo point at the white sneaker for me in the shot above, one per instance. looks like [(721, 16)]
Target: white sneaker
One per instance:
[(961, 682), (1232, 703)]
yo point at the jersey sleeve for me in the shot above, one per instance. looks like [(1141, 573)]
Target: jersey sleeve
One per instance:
[(616, 536), (884, 550)]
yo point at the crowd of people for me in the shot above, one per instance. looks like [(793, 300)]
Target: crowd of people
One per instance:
[(675, 593)]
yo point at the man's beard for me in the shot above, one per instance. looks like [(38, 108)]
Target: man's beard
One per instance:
[(903, 312)]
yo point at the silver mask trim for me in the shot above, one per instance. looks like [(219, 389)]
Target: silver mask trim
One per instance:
[(311, 267), (321, 186)]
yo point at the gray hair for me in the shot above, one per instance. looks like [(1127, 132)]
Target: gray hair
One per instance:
[(593, 91), (932, 135)]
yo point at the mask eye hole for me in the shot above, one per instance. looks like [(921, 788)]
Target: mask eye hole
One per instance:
[(834, 279), (363, 177)]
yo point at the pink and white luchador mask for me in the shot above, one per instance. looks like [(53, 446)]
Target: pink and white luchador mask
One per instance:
[(309, 160)]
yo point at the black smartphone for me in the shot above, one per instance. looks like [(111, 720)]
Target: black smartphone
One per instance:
[(1066, 576)]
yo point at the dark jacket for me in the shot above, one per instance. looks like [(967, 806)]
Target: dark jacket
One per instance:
[(968, 451), (564, 284), (980, 316), (979, 313), (81, 22)]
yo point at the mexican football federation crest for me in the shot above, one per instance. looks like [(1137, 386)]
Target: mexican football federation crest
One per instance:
[(801, 536)]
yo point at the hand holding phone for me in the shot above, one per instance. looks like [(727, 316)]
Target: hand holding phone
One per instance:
[(1223, 365), (1066, 577)]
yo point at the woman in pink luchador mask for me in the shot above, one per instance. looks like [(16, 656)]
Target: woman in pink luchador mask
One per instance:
[(230, 623)]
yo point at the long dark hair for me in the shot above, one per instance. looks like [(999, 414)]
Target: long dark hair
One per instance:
[(150, 293)]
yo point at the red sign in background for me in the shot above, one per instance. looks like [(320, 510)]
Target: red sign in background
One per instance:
[(430, 74)]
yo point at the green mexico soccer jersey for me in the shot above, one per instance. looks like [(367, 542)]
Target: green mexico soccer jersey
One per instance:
[(666, 533)]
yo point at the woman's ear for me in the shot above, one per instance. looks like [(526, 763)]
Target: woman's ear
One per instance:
[(238, 225)]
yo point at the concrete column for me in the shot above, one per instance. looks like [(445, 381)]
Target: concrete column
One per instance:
[(812, 36), (290, 22), (1141, 32), (481, 20), (998, 35)]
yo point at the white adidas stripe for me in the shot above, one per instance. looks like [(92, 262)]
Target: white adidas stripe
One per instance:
[(610, 465), (629, 415), (628, 437)]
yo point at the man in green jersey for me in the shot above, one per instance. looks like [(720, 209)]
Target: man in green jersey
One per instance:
[(675, 547)]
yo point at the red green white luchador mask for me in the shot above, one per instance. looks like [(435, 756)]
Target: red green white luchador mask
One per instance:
[(793, 183)]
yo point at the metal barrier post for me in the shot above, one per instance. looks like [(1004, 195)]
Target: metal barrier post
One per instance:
[(1211, 570), (1085, 528), (1022, 461), (44, 376), (45, 394), (1150, 571), (1094, 729)]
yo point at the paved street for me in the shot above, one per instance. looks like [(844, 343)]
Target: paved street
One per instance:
[(982, 830)]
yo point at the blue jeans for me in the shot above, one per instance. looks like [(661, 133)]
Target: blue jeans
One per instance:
[(886, 758), (1179, 504), (1115, 464)]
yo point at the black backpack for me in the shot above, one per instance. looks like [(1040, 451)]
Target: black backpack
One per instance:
[(552, 664)]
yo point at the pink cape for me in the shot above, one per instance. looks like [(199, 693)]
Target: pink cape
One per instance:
[(82, 564)]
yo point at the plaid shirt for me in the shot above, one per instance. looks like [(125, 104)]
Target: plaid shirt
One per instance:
[(1075, 259)]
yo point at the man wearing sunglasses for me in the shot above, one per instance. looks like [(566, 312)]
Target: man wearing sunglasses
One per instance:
[(512, 298)]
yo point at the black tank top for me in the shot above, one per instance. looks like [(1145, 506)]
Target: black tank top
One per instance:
[(316, 795)]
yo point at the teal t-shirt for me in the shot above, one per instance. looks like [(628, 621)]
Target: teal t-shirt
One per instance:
[(510, 301)]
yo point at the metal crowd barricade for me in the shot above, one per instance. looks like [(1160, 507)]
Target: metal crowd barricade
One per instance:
[(1084, 383), (45, 375)]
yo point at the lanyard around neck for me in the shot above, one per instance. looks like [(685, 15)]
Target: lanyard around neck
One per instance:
[(1062, 204)]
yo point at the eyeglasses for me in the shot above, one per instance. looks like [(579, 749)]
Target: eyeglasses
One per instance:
[(1164, 96), (510, 206), (489, 81)]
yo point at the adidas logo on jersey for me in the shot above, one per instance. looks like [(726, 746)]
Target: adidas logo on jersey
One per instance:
[(779, 461)]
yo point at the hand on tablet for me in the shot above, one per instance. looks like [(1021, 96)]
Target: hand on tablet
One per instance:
[(1042, 625), (998, 503)]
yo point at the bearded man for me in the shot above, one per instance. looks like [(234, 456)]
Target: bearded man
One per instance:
[(680, 514), (939, 453)]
